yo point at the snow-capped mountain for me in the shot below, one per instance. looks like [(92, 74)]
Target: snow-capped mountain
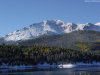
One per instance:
[(48, 27)]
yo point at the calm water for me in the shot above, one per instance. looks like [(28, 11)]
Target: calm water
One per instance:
[(67, 71)]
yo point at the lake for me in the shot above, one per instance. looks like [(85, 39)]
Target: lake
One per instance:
[(91, 70)]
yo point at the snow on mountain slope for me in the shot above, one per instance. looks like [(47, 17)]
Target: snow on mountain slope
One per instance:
[(48, 27), (98, 24)]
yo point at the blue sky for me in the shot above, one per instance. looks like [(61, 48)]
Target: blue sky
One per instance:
[(16, 14)]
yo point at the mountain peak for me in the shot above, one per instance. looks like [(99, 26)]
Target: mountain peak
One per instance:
[(48, 27), (53, 21), (89, 24)]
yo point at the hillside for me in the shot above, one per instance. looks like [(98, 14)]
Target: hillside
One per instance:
[(65, 40)]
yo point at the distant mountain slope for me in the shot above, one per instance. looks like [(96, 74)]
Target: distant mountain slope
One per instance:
[(48, 27), (65, 40)]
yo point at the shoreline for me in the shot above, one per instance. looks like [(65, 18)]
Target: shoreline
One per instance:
[(45, 65)]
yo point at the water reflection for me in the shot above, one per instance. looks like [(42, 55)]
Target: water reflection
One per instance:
[(51, 71)]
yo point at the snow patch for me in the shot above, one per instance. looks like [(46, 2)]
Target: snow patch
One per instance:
[(66, 65)]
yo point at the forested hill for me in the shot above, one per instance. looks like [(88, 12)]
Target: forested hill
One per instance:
[(78, 46), (65, 40)]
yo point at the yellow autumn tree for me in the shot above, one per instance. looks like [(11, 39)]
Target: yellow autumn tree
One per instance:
[(83, 47)]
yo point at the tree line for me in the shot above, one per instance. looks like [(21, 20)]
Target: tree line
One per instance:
[(33, 55)]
